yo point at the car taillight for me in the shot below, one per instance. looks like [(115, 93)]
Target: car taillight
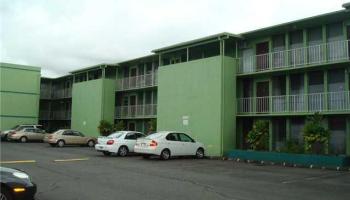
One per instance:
[(153, 143), (110, 142)]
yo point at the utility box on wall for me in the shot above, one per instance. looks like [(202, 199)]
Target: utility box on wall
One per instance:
[(19, 95), (92, 101)]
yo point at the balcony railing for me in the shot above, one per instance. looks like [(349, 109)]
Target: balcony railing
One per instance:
[(44, 115), (62, 93), (54, 115), (298, 57), (45, 94), (136, 111), (302, 103), (136, 82)]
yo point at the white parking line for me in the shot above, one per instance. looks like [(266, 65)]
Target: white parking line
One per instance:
[(17, 161), (70, 160)]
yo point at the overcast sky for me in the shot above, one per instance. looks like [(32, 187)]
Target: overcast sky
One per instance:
[(64, 35)]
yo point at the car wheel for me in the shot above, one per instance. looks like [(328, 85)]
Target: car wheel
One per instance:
[(5, 194), (5, 138), (123, 151), (60, 143), (200, 153), (91, 143), (23, 139), (165, 155), (106, 153)]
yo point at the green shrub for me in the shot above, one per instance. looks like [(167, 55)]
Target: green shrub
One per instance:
[(152, 126), (292, 147), (316, 137), (119, 126), (258, 137), (105, 128)]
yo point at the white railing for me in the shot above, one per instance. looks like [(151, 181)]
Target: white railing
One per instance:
[(61, 115), (317, 102), (296, 57), (55, 115), (135, 82), (44, 115), (45, 94), (62, 93), (136, 111)]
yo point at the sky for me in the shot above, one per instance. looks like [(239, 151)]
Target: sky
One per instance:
[(64, 35)]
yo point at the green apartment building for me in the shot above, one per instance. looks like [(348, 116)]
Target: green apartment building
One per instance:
[(216, 87), (19, 95)]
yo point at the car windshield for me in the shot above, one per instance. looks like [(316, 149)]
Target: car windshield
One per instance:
[(154, 135), (116, 134)]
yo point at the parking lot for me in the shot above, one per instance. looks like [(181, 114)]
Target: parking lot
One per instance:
[(82, 173)]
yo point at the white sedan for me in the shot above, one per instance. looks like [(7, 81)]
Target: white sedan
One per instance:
[(121, 143), (166, 144)]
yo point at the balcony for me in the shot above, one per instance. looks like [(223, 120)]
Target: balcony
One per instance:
[(45, 94), (294, 104), (62, 93), (337, 51), (44, 115), (137, 82), (137, 111), (54, 115)]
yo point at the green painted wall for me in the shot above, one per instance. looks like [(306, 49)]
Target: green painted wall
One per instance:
[(194, 90), (229, 102), (19, 95), (92, 101)]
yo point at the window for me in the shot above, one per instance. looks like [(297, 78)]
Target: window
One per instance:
[(315, 36), (185, 138), (297, 125), (337, 127), (76, 133), (172, 137), (335, 32), (336, 80), (139, 135), (68, 133), (130, 136), (30, 130), (315, 82), (38, 130)]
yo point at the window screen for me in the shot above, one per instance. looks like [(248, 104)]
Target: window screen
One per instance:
[(296, 37), (315, 35), (335, 31)]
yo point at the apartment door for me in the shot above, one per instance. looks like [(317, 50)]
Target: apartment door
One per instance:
[(262, 94), (132, 105), (131, 126), (132, 79), (262, 58)]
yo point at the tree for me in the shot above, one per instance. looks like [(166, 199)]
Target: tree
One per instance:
[(120, 126), (105, 128), (316, 137), (152, 126), (258, 137)]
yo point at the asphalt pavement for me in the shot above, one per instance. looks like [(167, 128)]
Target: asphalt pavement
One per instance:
[(81, 173)]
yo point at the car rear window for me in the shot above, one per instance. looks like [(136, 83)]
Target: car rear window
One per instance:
[(116, 134), (154, 136)]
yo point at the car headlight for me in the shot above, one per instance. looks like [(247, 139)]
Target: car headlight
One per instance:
[(21, 175)]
